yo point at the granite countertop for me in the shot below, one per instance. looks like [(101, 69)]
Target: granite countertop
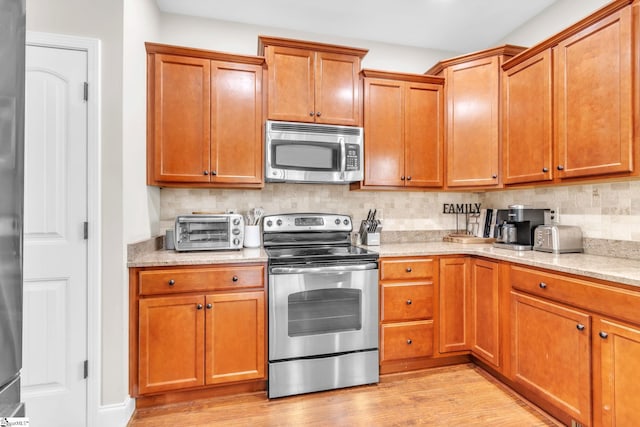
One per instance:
[(620, 270)]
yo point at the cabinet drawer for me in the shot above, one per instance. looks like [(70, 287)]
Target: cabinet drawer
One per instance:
[(609, 300), (406, 301), (406, 269), (170, 281), (406, 340)]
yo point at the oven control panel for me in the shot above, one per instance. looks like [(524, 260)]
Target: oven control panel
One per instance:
[(306, 222)]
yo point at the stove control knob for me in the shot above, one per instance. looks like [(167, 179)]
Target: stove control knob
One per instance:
[(346, 222), (337, 221), (279, 222), (269, 223)]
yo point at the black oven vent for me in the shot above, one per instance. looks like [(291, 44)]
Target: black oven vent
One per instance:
[(307, 128)]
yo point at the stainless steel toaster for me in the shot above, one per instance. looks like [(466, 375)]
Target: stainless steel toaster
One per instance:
[(557, 239)]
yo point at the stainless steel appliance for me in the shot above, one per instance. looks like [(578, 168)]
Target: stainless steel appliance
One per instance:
[(208, 232), (558, 239), (517, 225), (302, 152), (323, 305), (12, 74)]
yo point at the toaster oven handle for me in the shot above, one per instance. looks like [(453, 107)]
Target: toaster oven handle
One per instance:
[(324, 269)]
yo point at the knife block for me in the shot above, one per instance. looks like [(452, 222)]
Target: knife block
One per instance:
[(371, 239)]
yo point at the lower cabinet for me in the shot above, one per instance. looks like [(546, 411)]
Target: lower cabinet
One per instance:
[(485, 311), (616, 373), (551, 354), (190, 340), (454, 300)]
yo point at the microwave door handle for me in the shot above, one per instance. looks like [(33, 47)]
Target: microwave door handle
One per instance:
[(343, 155)]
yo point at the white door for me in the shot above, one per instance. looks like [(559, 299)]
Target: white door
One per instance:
[(55, 251)]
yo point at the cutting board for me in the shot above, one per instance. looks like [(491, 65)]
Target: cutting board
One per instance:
[(466, 238)]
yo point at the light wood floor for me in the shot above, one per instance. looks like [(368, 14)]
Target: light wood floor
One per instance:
[(462, 395)]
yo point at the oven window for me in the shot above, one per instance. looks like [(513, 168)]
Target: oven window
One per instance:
[(305, 156), (324, 311)]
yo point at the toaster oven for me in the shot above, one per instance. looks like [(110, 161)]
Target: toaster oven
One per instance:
[(208, 232)]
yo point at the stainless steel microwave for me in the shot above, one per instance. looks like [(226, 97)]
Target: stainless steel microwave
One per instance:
[(303, 152), (208, 232)]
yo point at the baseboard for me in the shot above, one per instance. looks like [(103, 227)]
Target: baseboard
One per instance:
[(116, 415)]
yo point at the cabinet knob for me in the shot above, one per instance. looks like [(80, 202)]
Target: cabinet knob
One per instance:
[(409, 178), (214, 173), (603, 334), (311, 113), (560, 167), (318, 114), (402, 177), (205, 173), (209, 306), (409, 269), (172, 282), (494, 176), (545, 170), (409, 341), (580, 327), (234, 278), (409, 302), (199, 306), (543, 285)]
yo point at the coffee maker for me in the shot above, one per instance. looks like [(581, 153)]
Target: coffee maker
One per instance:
[(516, 227)]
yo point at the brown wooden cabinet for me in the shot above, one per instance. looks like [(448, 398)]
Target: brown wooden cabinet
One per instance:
[(406, 312), (196, 327), (404, 130), (473, 117), (485, 311), (204, 120), (527, 101), (312, 82), (616, 366), (551, 354), (454, 304)]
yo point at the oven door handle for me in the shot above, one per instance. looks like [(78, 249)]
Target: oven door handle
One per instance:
[(324, 269)]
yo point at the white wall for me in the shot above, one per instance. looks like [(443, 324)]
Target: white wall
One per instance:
[(552, 20)]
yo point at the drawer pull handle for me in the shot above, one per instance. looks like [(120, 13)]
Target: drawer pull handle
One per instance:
[(199, 307), (234, 278), (409, 341), (409, 270), (580, 327), (172, 282), (409, 302), (603, 335), (543, 285), (209, 306)]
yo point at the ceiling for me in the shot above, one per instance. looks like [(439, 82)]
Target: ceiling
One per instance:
[(451, 25)]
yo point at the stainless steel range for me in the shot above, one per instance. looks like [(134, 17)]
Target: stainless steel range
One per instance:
[(323, 305)]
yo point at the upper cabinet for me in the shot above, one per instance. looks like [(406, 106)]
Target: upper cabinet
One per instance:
[(312, 82), (472, 87), (569, 102), (403, 130), (204, 118)]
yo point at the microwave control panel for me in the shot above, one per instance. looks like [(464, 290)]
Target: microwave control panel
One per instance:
[(352, 157)]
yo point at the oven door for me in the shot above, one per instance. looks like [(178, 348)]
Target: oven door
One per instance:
[(316, 311)]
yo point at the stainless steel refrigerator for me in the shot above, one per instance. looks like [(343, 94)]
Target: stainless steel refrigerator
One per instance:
[(12, 74)]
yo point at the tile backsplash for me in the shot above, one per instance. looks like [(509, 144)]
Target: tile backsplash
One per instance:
[(603, 211)]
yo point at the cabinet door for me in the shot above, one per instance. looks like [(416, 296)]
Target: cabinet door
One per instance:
[(423, 134), (454, 301), (291, 84), (383, 132), (181, 119), (171, 347), (337, 89), (235, 337), (472, 128), (616, 372), (594, 98), (527, 131), (236, 123), (551, 354), (485, 315)]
